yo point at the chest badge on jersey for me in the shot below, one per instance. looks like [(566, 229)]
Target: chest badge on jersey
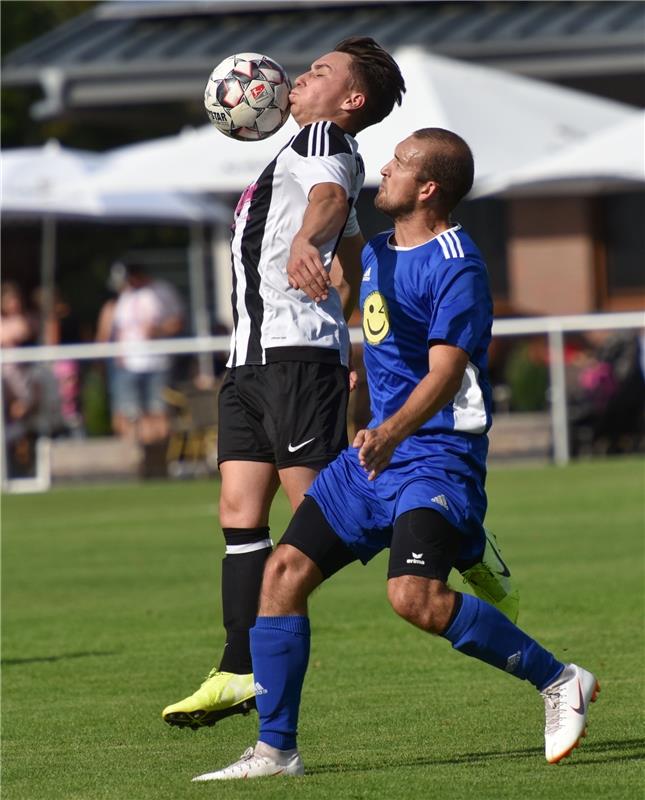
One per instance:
[(376, 322)]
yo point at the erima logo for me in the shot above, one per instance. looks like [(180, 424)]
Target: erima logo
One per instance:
[(416, 559), (440, 500), (259, 689), (513, 661), (368, 274)]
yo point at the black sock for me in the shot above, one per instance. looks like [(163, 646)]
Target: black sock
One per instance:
[(247, 550)]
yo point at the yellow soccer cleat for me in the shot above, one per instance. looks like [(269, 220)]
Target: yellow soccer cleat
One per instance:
[(491, 580), (220, 695)]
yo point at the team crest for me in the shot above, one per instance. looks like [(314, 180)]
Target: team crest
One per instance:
[(376, 322)]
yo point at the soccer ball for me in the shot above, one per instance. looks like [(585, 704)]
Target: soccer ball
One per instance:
[(247, 96)]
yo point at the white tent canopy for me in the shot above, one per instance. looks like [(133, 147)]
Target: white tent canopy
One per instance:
[(56, 181), (53, 183), (201, 160), (508, 120), (610, 160)]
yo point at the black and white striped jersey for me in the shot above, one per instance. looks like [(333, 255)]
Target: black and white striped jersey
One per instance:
[(272, 321)]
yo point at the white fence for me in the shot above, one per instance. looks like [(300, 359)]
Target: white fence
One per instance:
[(553, 327)]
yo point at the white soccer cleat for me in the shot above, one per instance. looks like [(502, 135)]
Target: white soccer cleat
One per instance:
[(566, 704), (261, 761)]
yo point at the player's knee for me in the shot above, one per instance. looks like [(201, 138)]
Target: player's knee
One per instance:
[(288, 580), (421, 605), (235, 511)]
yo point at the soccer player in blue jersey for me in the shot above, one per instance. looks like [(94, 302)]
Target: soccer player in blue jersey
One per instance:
[(413, 481)]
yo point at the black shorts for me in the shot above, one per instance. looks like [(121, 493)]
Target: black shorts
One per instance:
[(423, 543), (289, 413)]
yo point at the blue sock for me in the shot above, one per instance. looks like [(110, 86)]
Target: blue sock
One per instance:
[(481, 631), (280, 654)]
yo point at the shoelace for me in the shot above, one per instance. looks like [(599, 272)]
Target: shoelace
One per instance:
[(552, 706), (240, 766), (210, 675)]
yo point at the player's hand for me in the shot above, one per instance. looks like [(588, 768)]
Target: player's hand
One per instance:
[(305, 270), (353, 379), (375, 450), (353, 374)]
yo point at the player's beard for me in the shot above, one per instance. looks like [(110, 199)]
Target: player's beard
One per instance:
[(394, 210)]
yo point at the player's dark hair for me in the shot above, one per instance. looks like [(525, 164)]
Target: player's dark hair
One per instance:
[(376, 73), (450, 164)]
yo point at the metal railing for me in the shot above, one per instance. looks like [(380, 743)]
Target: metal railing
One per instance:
[(554, 328)]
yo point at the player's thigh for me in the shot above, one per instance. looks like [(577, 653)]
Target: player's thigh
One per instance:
[(423, 551), (246, 493), (424, 544), (305, 412), (240, 431), (295, 482), (311, 534)]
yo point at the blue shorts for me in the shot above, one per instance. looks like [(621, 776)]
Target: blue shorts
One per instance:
[(362, 513), (137, 393)]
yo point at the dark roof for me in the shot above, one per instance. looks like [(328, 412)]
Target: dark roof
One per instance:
[(151, 52)]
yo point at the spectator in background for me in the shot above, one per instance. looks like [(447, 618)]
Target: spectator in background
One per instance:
[(62, 327), (18, 328), (18, 325), (19, 390), (146, 309), (607, 393), (105, 332)]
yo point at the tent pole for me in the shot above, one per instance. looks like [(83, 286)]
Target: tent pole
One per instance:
[(47, 274), (198, 290), (222, 274)]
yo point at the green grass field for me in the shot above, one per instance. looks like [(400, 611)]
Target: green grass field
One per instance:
[(111, 611)]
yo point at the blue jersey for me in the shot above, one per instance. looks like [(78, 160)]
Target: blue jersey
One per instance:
[(411, 297)]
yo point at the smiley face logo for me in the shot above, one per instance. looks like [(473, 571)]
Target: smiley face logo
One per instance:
[(376, 323)]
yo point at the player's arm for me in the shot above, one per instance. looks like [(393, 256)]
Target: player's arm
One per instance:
[(447, 366), (324, 216), (346, 271), (170, 326)]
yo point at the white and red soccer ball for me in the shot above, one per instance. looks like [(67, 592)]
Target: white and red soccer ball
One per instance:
[(247, 96)]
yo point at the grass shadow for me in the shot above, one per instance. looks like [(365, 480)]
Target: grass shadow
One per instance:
[(13, 662), (602, 748)]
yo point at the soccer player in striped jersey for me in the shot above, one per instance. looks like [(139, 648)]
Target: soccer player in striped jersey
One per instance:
[(283, 403), (413, 481)]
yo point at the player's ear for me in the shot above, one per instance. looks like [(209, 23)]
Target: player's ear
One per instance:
[(428, 191), (354, 102)]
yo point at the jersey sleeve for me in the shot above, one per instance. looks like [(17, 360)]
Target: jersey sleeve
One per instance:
[(461, 305), (320, 155)]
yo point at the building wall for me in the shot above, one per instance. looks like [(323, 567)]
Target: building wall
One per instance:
[(551, 256)]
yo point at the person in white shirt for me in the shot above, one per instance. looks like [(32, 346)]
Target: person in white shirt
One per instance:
[(146, 309)]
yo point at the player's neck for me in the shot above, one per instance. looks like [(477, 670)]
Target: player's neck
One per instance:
[(342, 121), (413, 230)]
